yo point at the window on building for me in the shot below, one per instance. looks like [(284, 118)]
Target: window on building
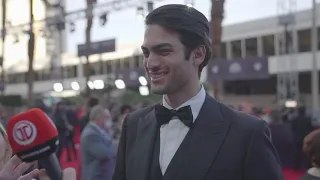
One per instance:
[(285, 42), (117, 63), (22, 77), (318, 38), (250, 87), (17, 78), (236, 49), (69, 72), (268, 48), (251, 47), (126, 62), (223, 50), (40, 72), (37, 76), (94, 68), (136, 61), (73, 71), (101, 67), (46, 75), (108, 66), (304, 40), (11, 79)]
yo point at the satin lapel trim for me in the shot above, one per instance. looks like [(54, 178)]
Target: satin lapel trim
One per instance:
[(143, 148)]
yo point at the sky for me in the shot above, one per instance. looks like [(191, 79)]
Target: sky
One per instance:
[(128, 29), (124, 25)]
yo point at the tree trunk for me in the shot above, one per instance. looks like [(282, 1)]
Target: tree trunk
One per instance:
[(88, 41), (217, 11), (31, 45), (4, 17)]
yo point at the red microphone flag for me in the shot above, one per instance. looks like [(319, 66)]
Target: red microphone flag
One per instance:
[(29, 129)]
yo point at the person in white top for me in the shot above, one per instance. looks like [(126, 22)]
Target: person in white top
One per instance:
[(190, 135)]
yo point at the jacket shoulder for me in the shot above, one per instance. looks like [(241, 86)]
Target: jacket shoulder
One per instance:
[(240, 119), (134, 116)]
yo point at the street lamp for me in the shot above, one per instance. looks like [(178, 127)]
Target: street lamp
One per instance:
[(57, 87), (120, 84), (75, 86), (144, 90), (90, 84), (98, 84), (315, 75), (143, 81)]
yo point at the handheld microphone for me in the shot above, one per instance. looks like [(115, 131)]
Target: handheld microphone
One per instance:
[(33, 137)]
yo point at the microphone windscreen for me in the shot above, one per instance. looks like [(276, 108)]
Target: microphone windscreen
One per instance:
[(32, 135)]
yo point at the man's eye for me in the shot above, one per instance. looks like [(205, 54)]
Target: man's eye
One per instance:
[(146, 54), (164, 52)]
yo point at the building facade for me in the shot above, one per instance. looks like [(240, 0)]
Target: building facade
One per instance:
[(244, 41)]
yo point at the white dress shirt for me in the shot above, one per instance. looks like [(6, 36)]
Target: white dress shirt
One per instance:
[(173, 133)]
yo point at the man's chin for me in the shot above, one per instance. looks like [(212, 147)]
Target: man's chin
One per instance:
[(158, 90)]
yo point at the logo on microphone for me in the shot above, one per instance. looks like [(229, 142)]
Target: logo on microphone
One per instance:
[(24, 132)]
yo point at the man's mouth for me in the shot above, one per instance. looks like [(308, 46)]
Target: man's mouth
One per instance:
[(157, 76)]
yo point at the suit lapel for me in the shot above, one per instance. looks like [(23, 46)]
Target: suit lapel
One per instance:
[(139, 167), (207, 137)]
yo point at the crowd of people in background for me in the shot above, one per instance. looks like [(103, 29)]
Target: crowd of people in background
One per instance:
[(296, 136), (293, 133)]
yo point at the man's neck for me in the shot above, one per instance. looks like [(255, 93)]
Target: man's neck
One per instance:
[(180, 97)]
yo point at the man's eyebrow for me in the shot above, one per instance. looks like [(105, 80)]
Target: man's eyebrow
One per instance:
[(158, 46)]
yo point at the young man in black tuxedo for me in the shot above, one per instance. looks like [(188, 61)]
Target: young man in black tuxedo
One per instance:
[(190, 136)]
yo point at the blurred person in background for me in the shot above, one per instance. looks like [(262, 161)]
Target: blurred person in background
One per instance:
[(308, 138), (64, 129), (41, 105), (301, 127), (3, 116), (281, 136), (98, 152), (71, 113), (313, 153), (307, 141), (265, 115), (5, 149), (117, 122), (92, 101)]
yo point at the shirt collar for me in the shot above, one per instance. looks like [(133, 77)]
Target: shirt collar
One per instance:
[(195, 103)]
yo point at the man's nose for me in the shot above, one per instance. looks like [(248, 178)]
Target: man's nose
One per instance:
[(152, 61)]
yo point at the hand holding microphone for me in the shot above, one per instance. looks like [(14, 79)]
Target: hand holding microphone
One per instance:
[(14, 169), (34, 137)]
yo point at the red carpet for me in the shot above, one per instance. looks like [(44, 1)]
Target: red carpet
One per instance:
[(75, 163), (292, 175), (288, 173)]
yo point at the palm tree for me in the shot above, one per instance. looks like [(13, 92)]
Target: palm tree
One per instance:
[(31, 45), (88, 40), (217, 15), (4, 18)]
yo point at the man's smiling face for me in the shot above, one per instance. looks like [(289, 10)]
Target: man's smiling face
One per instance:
[(165, 60)]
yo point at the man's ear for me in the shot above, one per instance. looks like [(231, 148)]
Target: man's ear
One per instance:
[(198, 55)]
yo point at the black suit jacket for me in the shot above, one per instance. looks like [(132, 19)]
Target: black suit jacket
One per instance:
[(225, 145)]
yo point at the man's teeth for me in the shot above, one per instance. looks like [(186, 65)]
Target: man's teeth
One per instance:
[(158, 75)]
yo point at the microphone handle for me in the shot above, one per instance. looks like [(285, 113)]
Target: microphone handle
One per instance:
[(52, 166)]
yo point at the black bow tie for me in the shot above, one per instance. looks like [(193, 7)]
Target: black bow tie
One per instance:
[(164, 115)]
